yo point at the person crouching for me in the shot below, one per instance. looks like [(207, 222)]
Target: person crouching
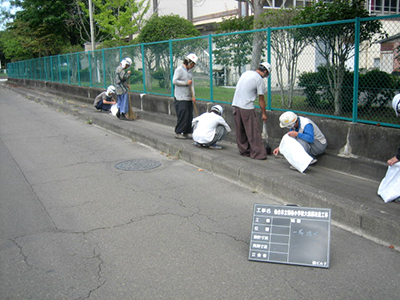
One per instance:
[(105, 100), (210, 128), (306, 132)]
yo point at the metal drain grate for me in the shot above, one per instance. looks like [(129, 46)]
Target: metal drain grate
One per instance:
[(137, 165)]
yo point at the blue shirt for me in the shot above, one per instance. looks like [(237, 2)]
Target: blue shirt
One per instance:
[(308, 133)]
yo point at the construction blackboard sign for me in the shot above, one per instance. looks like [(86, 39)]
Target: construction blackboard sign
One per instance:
[(291, 235)]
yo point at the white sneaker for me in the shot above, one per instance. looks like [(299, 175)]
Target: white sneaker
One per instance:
[(314, 161)]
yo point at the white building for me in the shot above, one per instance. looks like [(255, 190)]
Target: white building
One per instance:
[(205, 13)]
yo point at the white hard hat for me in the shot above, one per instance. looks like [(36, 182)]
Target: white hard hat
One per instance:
[(110, 90), (266, 66), (218, 109), (126, 62), (287, 119), (192, 57), (396, 104)]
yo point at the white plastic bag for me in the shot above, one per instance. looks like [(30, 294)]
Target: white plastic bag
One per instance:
[(294, 153), (389, 189), (114, 109)]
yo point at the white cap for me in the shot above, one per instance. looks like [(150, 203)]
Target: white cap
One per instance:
[(126, 62), (396, 104), (110, 90), (287, 119), (266, 66), (192, 57), (218, 109)]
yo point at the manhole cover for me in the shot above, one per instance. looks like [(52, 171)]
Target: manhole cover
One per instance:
[(138, 165)]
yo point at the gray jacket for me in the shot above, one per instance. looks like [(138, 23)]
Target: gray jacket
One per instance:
[(121, 77), (182, 90)]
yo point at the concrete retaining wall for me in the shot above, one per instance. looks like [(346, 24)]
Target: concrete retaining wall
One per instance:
[(348, 143)]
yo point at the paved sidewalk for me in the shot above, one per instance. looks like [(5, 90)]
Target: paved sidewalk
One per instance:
[(353, 200)]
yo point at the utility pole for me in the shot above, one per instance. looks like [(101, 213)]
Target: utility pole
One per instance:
[(155, 7), (190, 10), (91, 24)]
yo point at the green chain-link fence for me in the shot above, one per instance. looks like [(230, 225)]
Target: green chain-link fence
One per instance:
[(343, 70)]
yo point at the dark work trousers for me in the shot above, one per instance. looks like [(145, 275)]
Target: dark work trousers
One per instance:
[(248, 133), (103, 106), (184, 113)]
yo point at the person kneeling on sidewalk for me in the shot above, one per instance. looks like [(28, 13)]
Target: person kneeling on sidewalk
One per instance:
[(304, 131), (105, 100), (210, 128)]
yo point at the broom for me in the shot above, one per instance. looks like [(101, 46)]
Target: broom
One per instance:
[(196, 113), (264, 135), (131, 113)]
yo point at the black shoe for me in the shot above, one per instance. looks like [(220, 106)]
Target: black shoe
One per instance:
[(118, 114), (123, 117)]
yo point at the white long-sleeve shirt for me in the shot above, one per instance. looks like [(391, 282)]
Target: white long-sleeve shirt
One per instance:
[(206, 125)]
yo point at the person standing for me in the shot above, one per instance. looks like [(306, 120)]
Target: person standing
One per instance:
[(306, 132), (248, 135), (184, 97), (122, 87), (104, 100), (210, 128)]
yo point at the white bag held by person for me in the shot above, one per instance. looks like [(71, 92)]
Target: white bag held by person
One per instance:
[(114, 109), (294, 153), (389, 189)]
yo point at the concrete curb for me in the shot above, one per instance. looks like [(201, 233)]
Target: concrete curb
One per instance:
[(363, 214)]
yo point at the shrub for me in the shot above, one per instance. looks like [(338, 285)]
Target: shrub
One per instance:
[(377, 88), (318, 93)]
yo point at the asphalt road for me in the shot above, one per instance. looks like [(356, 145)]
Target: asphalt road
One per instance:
[(73, 226)]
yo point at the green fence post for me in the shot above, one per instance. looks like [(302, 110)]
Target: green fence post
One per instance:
[(171, 67), (51, 68), (78, 69), (45, 69), (269, 60), (143, 69), (59, 67), (90, 68), (356, 68), (68, 68), (104, 69), (211, 68)]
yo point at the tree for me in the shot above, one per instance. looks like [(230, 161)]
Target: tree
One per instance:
[(167, 28), (162, 29), (13, 46), (287, 46), (336, 43), (39, 28), (117, 19), (50, 17), (234, 49), (258, 37), (82, 23)]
